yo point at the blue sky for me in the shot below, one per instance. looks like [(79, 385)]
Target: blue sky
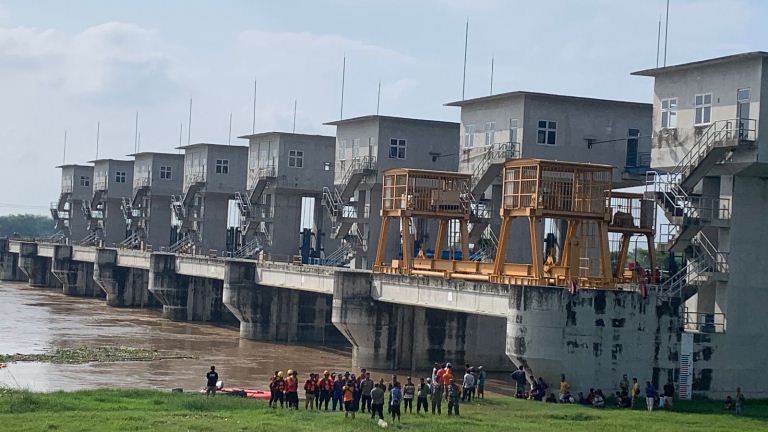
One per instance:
[(67, 65)]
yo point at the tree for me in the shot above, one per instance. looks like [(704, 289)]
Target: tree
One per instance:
[(26, 225)]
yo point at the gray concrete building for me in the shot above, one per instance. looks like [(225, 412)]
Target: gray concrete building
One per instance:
[(524, 124), (76, 188), (710, 171), (112, 181), (147, 212), (286, 176), (213, 174), (365, 146)]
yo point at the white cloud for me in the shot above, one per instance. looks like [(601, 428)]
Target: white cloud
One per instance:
[(104, 61)]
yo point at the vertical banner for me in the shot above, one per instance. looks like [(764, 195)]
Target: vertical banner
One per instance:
[(685, 385)]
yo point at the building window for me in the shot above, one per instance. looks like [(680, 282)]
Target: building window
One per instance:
[(669, 113), (85, 181), (296, 159), (633, 138), (119, 176), (326, 166), (222, 166), (513, 130), (165, 172), (703, 105), (469, 136), (490, 131), (340, 148), (397, 148), (547, 132)]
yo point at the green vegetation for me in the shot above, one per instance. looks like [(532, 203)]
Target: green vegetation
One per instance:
[(123, 410), (26, 225), (88, 355)]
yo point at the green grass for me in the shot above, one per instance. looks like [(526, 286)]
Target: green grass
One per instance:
[(126, 410)]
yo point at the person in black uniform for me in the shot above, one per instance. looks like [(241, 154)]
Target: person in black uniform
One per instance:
[(212, 378)]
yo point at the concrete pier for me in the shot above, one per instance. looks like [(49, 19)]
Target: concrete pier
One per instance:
[(9, 264), (186, 298), (398, 336), (594, 337), (36, 268), (76, 277), (277, 314), (124, 286)]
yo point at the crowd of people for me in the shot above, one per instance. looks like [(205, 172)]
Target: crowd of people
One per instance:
[(350, 393)]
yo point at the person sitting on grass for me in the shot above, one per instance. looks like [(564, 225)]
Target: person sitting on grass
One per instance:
[(599, 400), (619, 400), (583, 400), (551, 398), (728, 404), (567, 398)]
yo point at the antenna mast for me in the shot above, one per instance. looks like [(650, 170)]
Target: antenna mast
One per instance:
[(295, 102), (189, 124), (464, 77), (343, 76), (229, 137), (666, 35), (253, 128), (136, 134), (98, 132), (492, 59), (64, 159), (378, 98)]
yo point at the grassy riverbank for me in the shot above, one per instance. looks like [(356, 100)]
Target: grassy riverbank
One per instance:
[(122, 410)]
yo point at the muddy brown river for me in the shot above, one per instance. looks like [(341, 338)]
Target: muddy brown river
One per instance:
[(37, 320)]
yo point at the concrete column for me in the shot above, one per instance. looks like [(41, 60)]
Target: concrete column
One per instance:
[(9, 264), (205, 301), (169, 288), (124, 287), (76, 277), (276, 314), (593, 337), (36, 268), (371, 327)]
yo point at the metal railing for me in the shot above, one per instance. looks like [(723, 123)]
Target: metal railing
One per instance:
[(256, 174), (717, 259), (717, 134), (194, 177), (495, 153), (356, 165), (144, 181), (704, 322)]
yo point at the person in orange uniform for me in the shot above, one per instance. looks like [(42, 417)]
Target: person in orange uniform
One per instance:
[(348, 393), (309, 389), (326, 388), (292, 390)]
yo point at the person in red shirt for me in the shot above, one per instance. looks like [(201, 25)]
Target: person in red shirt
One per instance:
[(326, 389), (292, 390), (309, 389)]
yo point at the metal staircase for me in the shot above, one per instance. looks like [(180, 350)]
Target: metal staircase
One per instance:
[(131, 242), (249, 249), (91, 239), (261, 178), (488, 168), (343, 213), (185, 244), (688, 213)]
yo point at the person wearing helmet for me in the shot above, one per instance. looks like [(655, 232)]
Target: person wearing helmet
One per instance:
[(278, 388), (326, 388), (292, 390)]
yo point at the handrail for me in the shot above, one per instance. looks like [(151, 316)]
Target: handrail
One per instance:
[(358, 164), (704, 322), (717, 259), (714, 136), (495, 152)]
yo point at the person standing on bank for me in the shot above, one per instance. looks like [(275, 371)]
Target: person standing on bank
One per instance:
[(650, 394), (212, 379), (366, 385)]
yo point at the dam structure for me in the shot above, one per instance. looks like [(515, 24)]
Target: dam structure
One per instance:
[(498, 254)]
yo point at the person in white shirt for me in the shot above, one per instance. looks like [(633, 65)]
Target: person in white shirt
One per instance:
[(469, 385)]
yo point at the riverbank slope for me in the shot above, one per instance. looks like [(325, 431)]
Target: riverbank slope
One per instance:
[(121, 410)]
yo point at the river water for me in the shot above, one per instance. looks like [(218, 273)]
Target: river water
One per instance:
[(36, 320)]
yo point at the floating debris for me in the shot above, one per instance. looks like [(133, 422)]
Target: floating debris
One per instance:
[(94, 355)]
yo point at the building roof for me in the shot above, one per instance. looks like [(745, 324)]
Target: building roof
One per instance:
[(380, 117), (261, 134), (146, 153), (73, 166), (707, 62), (190, 146), (519, 93), (109, 160)]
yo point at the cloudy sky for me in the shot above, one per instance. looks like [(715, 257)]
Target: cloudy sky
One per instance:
[(68, 65)]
